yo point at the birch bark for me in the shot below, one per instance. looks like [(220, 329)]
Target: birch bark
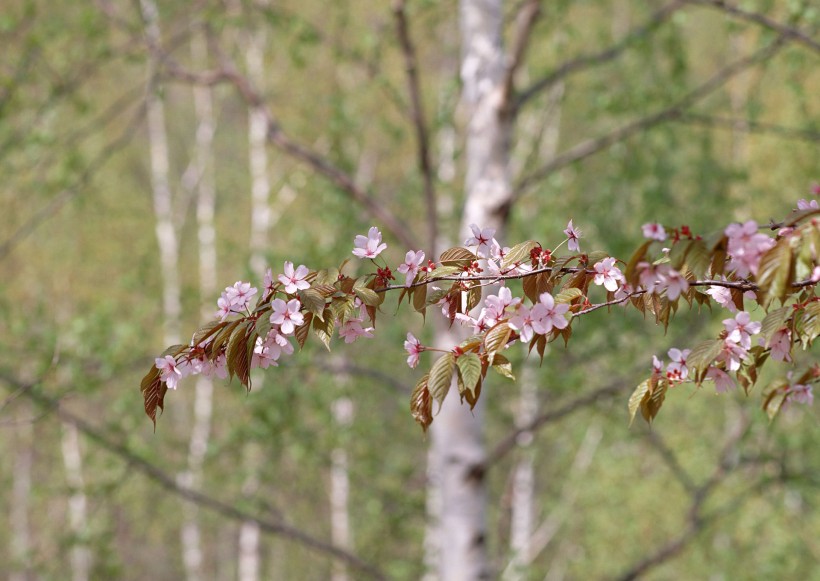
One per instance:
[(456, 434)]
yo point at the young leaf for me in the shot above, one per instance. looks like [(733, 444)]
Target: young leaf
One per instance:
[(774, 274), (502, 366), (420, 298), (324, 328), (702, 356), (313, 300), (519, 253), (153, 393), (301, 332), (457, 256), (631, 272), (652, 402), (441, 376), (469, 368), (368, 296), (568, 295), (773, 322), (496, 340), (421, 404), (637, 397)]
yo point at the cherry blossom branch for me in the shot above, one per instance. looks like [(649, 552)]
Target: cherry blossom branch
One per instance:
[(419, 123), (586, 61), (594, 145), (170, 484), (788, 31)]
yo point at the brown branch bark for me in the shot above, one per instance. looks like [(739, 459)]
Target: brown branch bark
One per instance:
[(748, 126), (419, 123), (169, 483)]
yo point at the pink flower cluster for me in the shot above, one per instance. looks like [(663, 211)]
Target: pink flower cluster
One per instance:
[(746, 247), (235, 299), (656, 278)]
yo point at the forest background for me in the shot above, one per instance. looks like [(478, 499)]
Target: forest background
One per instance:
[(152, 154)]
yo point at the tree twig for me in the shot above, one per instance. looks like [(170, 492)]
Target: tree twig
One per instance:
[(169, 483)]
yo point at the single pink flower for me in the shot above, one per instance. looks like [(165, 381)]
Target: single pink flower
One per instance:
[(573, 234), (286, 315), (369, 246), (411, 265), (654, 231), (483, 239), (413, 348), (608, 274), (294, 279), (169, 371)]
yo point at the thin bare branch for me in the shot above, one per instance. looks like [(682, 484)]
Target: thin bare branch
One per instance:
[(419, 123), (227, 73), (590, 60), (169, 483), (748, 126), (594, 145), (508, 443), (789, 32), (526, 18)]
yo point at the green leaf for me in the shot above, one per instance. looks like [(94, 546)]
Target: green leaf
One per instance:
[(420, 298), (502, 366), (773, 322), (327, 276), (262, 326), (469, 368), (208, 330), (637, 397), (775, 395), (457, 256), (702, 356), (313, 300), (809, 324), (774, 274), (652, 402), (441, 376), (496, 340), (568, 295), (368, 296), (324, 328), (445, 271), (421, 405), (519, 253)]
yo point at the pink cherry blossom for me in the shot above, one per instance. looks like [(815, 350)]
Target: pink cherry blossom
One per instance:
[(268, 284), (235, 299), (498, 304), (807, 205), (800, 393), (674, 281), (523, 323), (746, 246), (723, 381), (573, 235), (547, 315), (413, 348), (740, 329), (169, 371), (654, 231), (353, 329), (483, 239), (781, 345), (294, 279), (480, 324), (608, 274), (286, 315), (218, 368), (677, 370), (411, 265), (732, 355), (369, 246), (723, 296), (657, 365)]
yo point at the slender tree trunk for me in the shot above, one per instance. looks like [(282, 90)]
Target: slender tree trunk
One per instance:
[(77, 503), (160, 185), (205, 186), (20, 569), (249, 562), (457, 436), (340, 486)]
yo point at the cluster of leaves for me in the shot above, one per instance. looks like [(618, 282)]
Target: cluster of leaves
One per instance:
[(655, 279)]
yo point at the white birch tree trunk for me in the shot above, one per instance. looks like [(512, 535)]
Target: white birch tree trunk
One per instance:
[(340, 532), (23, 440), (205, 186), (456, 433), (160, 185), (77, 503), (249, 561)]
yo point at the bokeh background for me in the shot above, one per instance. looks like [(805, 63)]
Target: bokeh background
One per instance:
[(124, 157)]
